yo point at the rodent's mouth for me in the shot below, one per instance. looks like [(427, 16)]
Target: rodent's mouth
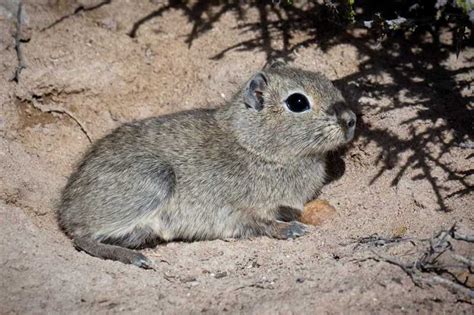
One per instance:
[(349, 135)]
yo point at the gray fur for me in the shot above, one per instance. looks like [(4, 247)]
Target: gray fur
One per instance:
[(207, 174)]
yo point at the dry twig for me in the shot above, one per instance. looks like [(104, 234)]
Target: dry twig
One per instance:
[(50, 110), (427, 269), (378, 241), (18, 41)]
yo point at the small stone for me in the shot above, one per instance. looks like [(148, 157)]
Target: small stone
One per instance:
[(400, 231), (188, 279), (316, 212), (220, 275)]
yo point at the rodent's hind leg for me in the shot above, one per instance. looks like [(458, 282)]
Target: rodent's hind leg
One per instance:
[(138, 238), (112, 252)]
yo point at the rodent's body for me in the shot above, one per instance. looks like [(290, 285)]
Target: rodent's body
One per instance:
[(223, 173), (196, 175)]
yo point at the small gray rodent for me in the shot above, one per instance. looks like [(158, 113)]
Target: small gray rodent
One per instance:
[(244, 169)]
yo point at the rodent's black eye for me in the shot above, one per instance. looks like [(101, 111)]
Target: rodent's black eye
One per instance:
[(297, 103)]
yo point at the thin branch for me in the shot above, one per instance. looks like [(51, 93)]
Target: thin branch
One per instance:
[(427, 269), (50, 110), (18, 41), (409, 269), (465, 261), (462, 237), (378, 241), (78, 122), (453, 285)]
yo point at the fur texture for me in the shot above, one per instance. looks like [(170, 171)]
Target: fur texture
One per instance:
[(237, 171)]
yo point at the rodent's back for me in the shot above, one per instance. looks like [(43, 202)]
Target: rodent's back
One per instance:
[(147, 149)]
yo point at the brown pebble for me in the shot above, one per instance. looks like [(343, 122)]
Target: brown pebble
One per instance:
[(317, 211)]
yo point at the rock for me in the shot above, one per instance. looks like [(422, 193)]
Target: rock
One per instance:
[(317, 211)]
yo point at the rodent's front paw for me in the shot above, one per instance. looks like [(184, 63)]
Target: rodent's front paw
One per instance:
[(296, 229), (286, 230)]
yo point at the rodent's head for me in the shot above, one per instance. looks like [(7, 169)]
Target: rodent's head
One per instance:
[(284, 112)]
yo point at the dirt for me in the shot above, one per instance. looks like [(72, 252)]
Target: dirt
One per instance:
[(407, 174)]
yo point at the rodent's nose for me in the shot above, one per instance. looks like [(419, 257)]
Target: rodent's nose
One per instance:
[(348, 119), (351, 122)]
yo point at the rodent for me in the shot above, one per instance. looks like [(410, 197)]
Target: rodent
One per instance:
[(240, 170)]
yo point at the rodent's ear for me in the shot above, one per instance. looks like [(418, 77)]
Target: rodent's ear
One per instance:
[(253, 92), (276, 63)]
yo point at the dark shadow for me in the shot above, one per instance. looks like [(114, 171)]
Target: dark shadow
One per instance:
[(413, 58), (80, 8), (442, 108), (335, 167)]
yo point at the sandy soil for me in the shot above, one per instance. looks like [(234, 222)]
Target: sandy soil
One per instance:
[(408, 174)]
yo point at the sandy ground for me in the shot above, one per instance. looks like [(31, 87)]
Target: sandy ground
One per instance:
[(408, 173)]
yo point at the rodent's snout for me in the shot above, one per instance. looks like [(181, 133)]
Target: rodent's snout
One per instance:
[(348, 119)]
